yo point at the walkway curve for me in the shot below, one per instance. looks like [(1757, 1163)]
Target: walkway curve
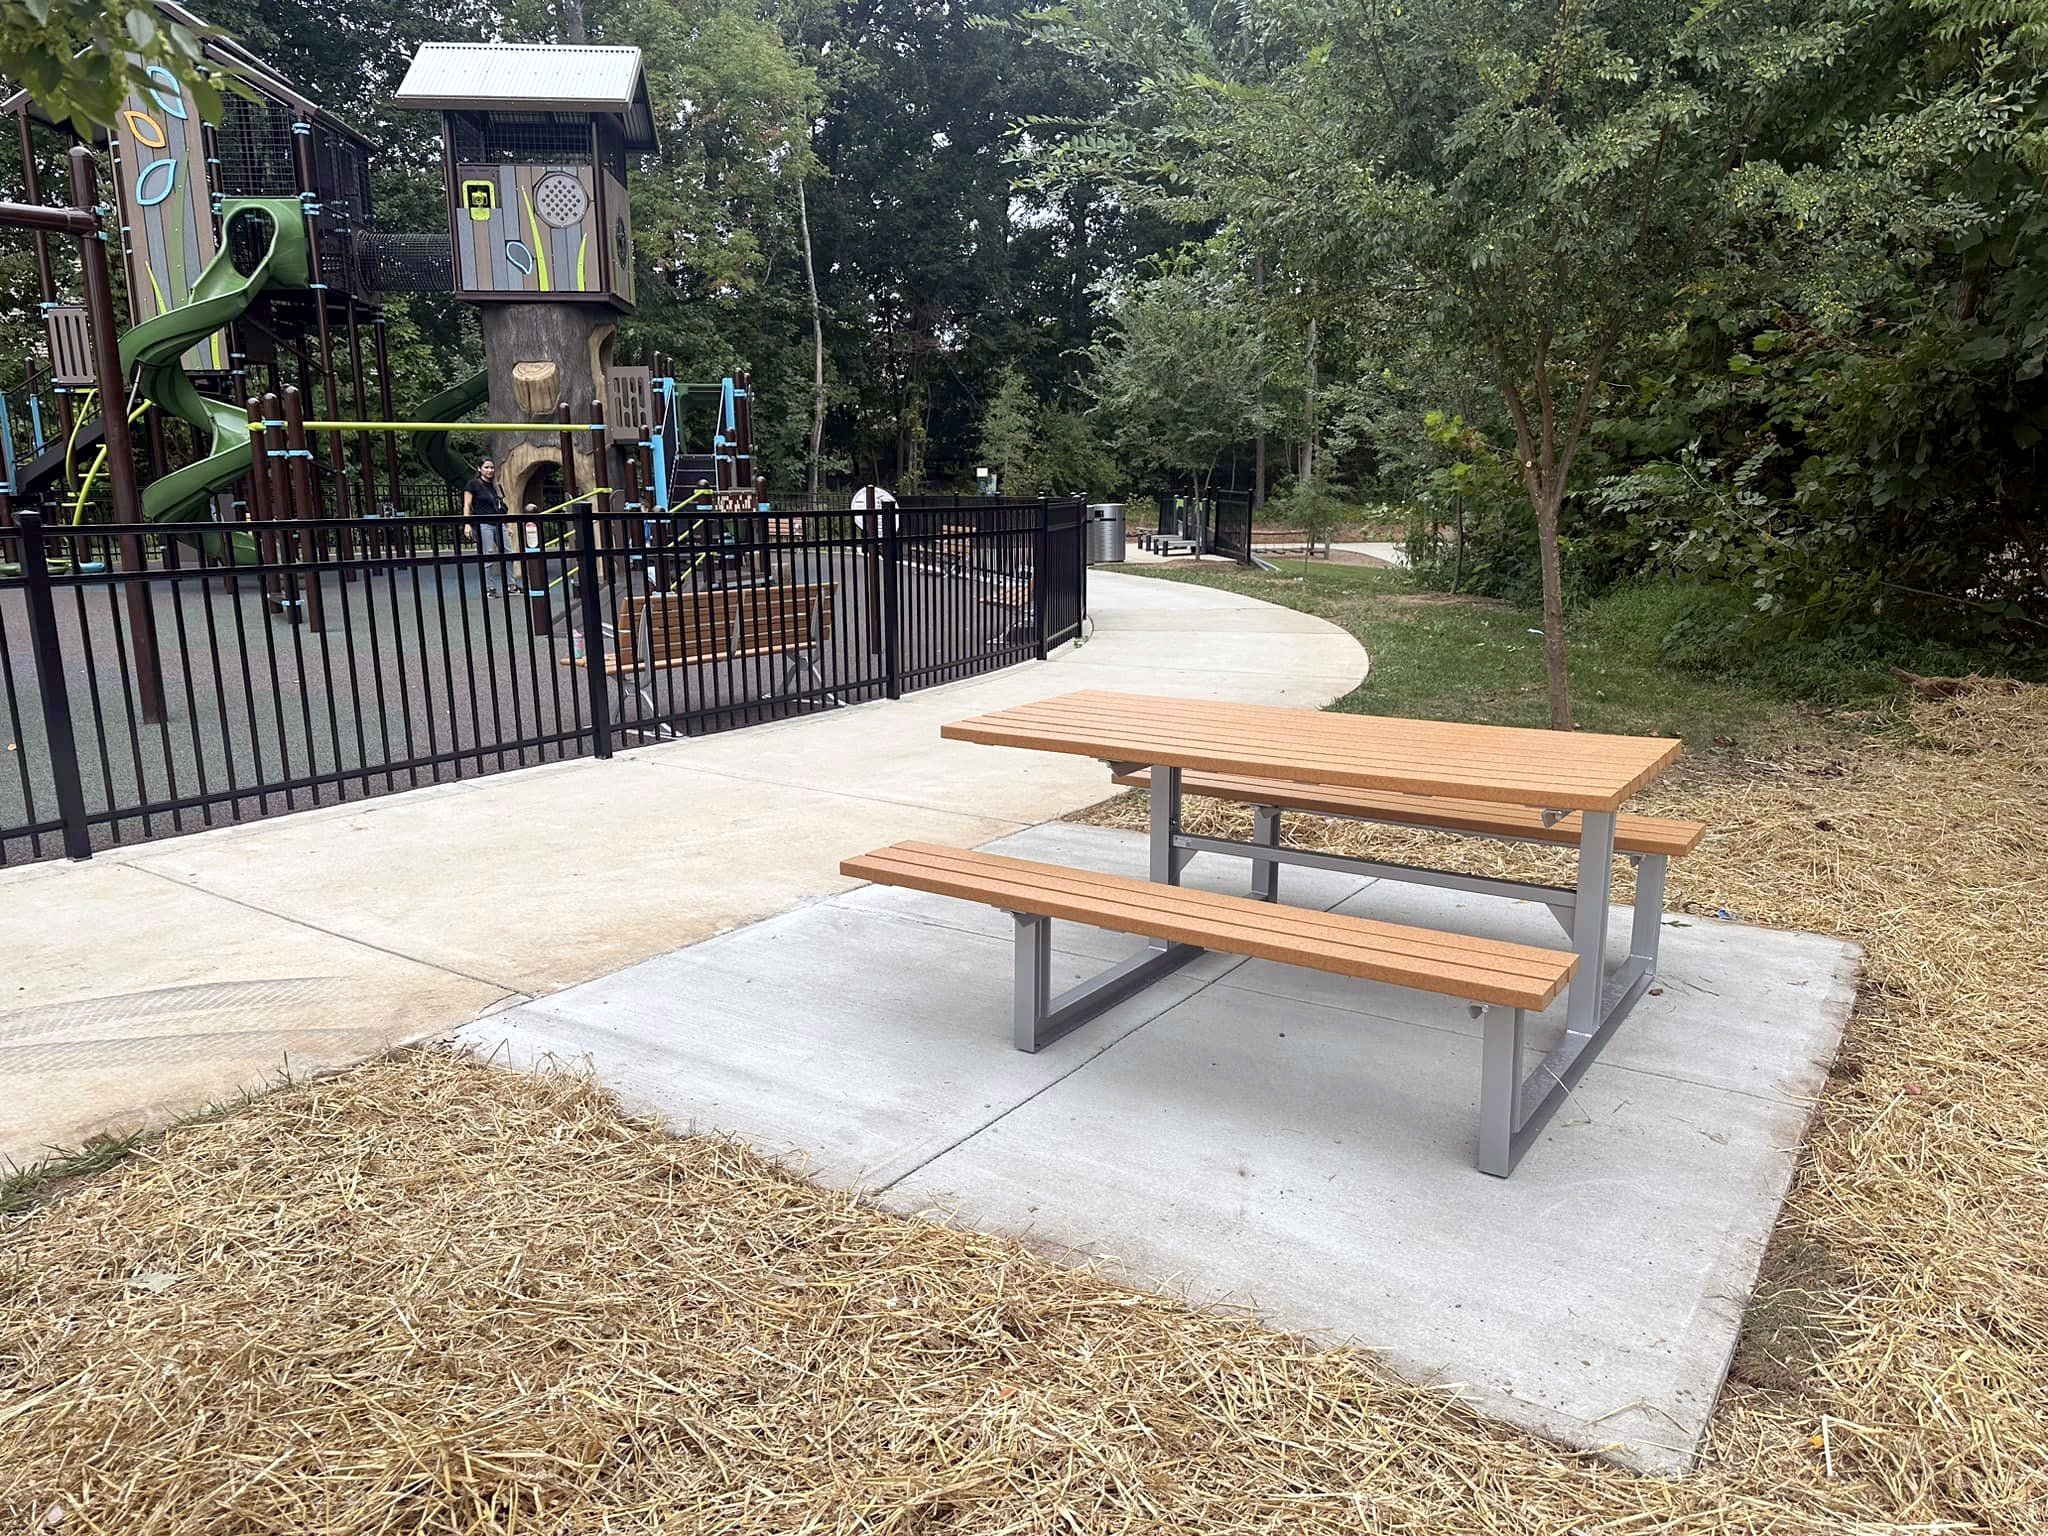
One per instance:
[(153, 981)]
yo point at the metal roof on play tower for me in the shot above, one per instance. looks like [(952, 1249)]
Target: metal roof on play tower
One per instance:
[(545, 77)]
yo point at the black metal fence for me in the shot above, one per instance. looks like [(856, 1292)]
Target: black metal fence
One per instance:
[(160, 682)]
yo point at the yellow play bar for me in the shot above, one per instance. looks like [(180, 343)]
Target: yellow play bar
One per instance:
[(448, 426)]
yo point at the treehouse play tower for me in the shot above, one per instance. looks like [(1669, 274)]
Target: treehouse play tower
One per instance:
[(534, 143)]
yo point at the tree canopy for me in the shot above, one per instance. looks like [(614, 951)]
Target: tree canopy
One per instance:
[(1747, 294)]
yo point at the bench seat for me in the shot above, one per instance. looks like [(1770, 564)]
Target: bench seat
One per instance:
[(1475, 970), (1647, 836)]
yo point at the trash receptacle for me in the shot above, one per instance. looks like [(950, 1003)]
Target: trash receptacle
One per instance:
[(1105, 532)]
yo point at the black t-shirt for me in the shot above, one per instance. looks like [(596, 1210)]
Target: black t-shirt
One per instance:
[(483, 498)]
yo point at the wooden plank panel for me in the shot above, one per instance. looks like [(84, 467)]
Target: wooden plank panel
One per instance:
[(1495, 764), (1632, 834), (1453, 965)]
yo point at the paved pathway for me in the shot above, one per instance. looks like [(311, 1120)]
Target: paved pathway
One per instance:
[(157, 979)]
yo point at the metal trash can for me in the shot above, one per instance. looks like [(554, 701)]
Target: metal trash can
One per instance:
[(1105, 532)]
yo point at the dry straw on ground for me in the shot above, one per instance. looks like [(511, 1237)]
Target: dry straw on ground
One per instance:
[(431, 1296)]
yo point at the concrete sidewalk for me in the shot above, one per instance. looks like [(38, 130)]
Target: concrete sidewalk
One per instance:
[(156, 979)]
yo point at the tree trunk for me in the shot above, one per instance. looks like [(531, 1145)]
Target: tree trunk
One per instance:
[(1259, 443), (573, 29), (1308, 411), (1557, 687), (803, 213), (1458, 544)]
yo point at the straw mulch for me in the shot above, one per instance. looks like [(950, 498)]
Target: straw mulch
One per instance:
[(434, 1296)]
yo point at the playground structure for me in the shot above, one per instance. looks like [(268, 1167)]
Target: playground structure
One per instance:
[(236, 580), (254, 267)]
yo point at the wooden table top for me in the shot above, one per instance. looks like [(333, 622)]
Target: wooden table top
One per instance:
[(1559, 770)]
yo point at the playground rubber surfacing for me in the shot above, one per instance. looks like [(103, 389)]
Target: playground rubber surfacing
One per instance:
[(417, 664), (160, 977)]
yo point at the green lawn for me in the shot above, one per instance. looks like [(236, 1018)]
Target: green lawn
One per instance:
[(1450, 658)]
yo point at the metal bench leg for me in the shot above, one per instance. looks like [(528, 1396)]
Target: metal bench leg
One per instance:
[(1500, 1091), (1648, 929), (1589, 922), (1167, 860), (1039, 1018), (1034, 979), (1266, 872)]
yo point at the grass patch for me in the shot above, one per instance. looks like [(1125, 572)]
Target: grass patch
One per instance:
[(1437, 657)]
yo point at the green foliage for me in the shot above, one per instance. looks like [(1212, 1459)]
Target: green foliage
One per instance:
[(1176, 376), (1009, 441), (81, 59)]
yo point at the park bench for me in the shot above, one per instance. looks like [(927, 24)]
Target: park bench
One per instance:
[(1643, 839), (1502, 981), (664, 630)]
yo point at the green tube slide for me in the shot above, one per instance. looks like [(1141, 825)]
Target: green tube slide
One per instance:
[(222, 294), (157, 345), (431, 448)]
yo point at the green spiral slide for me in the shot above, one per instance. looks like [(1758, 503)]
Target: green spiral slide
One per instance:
[(431, 448), (157, 347), (158, 344)]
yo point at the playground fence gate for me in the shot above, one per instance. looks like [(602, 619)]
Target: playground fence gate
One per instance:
[(338, 659)]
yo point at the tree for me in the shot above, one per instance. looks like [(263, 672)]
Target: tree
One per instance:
[(1177, 374), (1009, 440), (1535, 183)]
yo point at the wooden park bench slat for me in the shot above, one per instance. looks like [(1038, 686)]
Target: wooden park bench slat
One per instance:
[(679, 629), (1452, 965), (1647, 835), (1549, 769)]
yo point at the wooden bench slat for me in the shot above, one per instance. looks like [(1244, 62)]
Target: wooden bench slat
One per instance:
[(1143, 895), (660, 631), (1632, 833), (1451, 965)]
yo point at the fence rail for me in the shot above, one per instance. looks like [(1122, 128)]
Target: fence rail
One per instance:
[(310, 661)]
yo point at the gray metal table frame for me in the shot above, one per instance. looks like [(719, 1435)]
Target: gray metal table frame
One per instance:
[(1513, 1108)]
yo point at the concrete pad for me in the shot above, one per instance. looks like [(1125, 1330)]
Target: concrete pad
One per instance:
[(768, 1033), (1262, 1135), (233, 999)]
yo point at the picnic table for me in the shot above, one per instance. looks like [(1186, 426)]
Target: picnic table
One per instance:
[(1559, 788)]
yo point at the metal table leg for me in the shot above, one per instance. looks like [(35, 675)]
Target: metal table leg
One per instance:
[(1167, 859), (1589, 921)]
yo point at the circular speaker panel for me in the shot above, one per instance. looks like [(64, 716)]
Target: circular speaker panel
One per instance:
[(560, 200)]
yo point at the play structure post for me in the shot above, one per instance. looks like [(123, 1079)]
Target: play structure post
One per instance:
[(279, 546), (309, 199), (568, 449), (533, 570), (380, 347), (46, 282), (106, 354), (312, 549), (49, 654)]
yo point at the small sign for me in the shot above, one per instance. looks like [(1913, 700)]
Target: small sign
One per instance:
[(734, 503), (481, 199)]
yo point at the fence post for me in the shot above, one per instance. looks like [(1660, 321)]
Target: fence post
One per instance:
[(49, 654), (589, 603), (1041, 578), (892, 600)]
